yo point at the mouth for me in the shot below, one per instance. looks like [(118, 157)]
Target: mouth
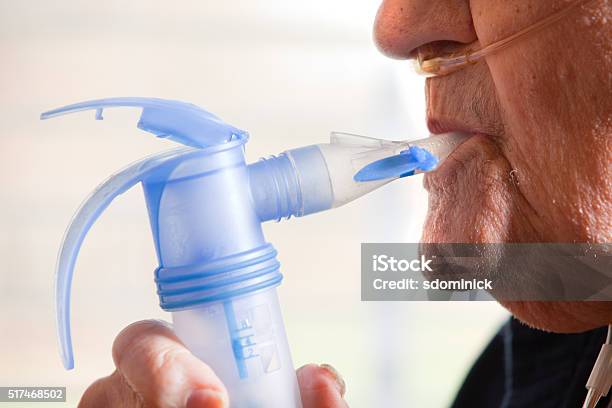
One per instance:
[(460, 160)]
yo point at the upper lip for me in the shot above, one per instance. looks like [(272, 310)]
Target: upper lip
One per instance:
[(457, 114), (453, 105)]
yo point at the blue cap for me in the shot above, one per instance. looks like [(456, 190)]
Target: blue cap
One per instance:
[(181, 122)]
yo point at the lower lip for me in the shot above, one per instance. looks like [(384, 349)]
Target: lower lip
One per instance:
[(458, 158), (443, 144)]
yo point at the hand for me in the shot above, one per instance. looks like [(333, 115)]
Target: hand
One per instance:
[(154, 369)]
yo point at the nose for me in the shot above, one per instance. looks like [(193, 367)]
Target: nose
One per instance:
[(402, 26)]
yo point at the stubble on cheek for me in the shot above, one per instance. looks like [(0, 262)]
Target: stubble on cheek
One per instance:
[(475, 198), (470, 198)]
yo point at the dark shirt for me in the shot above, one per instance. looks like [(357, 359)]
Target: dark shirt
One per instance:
[(524, 367)]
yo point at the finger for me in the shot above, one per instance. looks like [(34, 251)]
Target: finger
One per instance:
[(111, 391), (158, 367), (114, 391), (321, 387)]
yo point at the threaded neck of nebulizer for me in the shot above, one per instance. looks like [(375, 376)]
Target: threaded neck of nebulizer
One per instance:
[(294, 183), (275, 188)]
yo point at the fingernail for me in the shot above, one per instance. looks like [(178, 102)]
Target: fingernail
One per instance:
[(337, 377), (206, 398)]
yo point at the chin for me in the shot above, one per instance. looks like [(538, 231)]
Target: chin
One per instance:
[(562, 317), (471, 200)]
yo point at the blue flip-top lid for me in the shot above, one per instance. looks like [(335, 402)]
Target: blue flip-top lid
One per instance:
[(181, 122)]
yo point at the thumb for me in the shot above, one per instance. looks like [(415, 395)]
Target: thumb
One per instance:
[(321, 386)]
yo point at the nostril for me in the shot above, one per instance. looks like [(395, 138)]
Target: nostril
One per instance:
[(402, 26), (439, 48)]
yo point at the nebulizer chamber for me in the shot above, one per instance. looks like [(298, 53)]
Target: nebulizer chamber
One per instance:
[(217, 274)]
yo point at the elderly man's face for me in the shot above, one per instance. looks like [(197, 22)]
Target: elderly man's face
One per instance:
[(539, 168)]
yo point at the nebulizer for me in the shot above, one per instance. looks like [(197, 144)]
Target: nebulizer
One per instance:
[(217, 274)]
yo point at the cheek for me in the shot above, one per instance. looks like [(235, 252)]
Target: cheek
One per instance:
[(549, 100), (535, 144), (471, 202)]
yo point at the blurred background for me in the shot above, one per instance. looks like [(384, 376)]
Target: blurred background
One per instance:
[(289, 72)]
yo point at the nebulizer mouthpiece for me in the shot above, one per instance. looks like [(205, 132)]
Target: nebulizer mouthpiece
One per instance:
[(407, 158), (217, 274)]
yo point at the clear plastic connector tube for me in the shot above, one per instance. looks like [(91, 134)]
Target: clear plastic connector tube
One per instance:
[(316, 178)]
